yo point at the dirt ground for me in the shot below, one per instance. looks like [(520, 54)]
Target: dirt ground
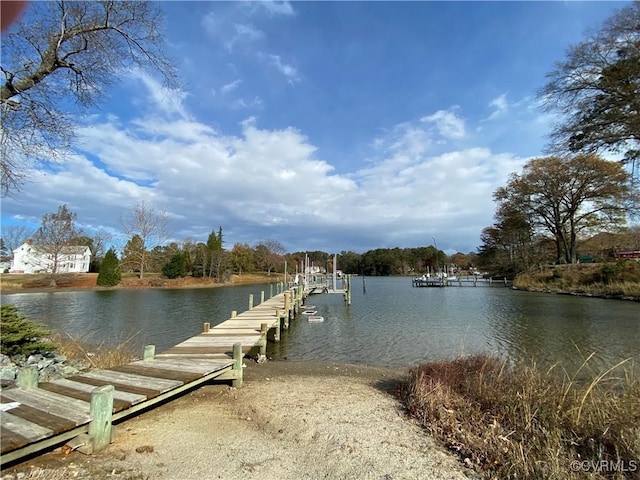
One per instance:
[(291, 420)]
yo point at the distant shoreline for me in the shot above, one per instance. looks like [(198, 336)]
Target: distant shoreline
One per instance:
[(20, 283)]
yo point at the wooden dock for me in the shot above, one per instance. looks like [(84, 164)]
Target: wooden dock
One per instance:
[(79, 411), (460, 281)]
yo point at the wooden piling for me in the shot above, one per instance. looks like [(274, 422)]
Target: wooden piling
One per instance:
[(205, 327), (251, 301), (27, 378), (149, 352), (287, 302), (101, 412), (234, 313), (262, 296), (237, 366), (276, 337)]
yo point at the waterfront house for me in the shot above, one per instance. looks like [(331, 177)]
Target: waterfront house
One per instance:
[(30, 258)]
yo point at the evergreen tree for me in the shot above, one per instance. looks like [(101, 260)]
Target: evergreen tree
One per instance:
[(176, 267), (109, 270), (20, 336)]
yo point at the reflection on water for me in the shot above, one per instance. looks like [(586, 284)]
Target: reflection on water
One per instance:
[(392, 324)]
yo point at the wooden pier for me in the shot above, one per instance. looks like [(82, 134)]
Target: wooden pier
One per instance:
[(460, 281), (79, 411)]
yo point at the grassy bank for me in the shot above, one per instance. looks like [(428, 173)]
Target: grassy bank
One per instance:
[(513, 421), (11, 282), (616, 279)]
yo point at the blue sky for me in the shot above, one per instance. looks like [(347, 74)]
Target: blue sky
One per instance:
[(323, 125)]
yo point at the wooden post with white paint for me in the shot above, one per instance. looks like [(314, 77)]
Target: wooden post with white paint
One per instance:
[(149, 352), (27, 378), (237, 366), (101, 409)]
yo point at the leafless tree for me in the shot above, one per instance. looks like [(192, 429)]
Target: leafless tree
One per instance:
[(68, 54), (13, 236), (54, 236), (149, 227), (596, 89)]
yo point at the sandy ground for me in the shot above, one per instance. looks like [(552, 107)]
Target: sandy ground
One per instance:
[(291, 420)]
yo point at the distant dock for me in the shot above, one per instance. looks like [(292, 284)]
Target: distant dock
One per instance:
[(460, 281)]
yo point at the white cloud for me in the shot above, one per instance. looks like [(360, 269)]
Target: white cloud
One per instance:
[(500, 107), (277, 8), (160, 98), (449, 125), (229, 87), (288, 71)]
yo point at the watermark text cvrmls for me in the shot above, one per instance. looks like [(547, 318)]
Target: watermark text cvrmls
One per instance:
[(605, 466)]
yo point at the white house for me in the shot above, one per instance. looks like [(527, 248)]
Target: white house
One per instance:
[(29, 258)]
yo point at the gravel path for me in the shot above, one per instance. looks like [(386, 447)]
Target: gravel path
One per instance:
[(291, 420)]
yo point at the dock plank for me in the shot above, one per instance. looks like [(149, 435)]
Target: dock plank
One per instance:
[(72, 409), (121, 387), (24, 428), (11, 440), (144, 381), (118, 404), (131, 398), (182, 377), (200, 366), (46, 419)]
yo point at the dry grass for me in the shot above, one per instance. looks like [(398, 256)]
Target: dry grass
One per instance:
[(513, 421), (98, 356), (614, 279)]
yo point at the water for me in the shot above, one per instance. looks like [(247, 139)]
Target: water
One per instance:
[(391, 324)]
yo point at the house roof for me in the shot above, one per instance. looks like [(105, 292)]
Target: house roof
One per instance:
[(65, 250)]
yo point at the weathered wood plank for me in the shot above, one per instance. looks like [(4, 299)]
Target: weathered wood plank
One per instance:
[(69, 408), (221, 356), (202, 367), (204, 350), (81, 395), (10, 440), (216, 342), (23, 427), (131, 398), (46, 419), (121, 387), (234, 332), (183, 377), (144, 381)]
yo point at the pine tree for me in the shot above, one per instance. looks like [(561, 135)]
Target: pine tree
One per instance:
[(109, 270), (176, 267)]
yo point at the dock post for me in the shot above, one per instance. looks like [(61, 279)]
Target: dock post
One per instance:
[(277, 332), (149, 352), (262, 296), (262, 356), (205, 327), (237, 366), (234, 313), (287, 302), (271, 290), (27, 378), (251, 301), (101, 411)]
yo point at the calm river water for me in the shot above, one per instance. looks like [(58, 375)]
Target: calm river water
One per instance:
[(389, 324)]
